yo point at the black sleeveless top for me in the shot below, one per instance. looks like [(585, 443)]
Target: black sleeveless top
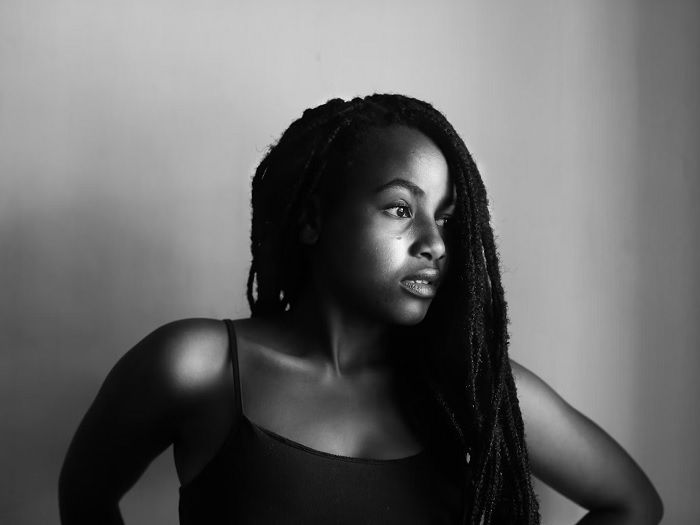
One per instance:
[(259, 477)]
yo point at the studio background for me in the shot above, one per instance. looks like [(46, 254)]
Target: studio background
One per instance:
[(129, 132)]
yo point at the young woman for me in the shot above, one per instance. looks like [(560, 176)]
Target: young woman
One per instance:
[(372, 382)]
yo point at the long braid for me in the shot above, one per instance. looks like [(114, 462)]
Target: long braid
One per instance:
[(504, 381), (468, 376)]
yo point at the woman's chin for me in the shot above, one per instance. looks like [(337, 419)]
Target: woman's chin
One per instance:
[(411, 314)]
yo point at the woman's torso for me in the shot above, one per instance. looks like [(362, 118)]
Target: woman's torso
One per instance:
[(282, 443)]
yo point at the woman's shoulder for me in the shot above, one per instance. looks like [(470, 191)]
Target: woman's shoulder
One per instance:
[(179, 359), (193, 352), (176, 375), (187, 347)]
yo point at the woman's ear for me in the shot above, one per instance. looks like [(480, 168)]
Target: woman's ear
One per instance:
[(310, 221)]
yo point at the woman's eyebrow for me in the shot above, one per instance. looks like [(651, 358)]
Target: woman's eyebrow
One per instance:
[(401, 183), (447, 202)]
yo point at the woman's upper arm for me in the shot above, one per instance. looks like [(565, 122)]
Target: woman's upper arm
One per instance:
[(576, 457), (138, 411)]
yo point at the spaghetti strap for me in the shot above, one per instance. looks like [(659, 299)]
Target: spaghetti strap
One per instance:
[(233, 355)]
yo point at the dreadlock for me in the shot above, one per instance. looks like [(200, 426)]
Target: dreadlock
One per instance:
[(466, 378)]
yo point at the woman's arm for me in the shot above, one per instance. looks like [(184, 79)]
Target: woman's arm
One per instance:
[(578, 459), (136, 415)]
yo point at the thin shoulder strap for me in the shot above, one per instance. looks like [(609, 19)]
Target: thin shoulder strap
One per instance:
[(233, 355)]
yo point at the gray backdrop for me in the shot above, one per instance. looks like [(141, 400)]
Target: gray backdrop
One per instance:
[(129, 131)]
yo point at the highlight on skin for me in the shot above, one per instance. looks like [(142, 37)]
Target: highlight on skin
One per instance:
[(458, 384)]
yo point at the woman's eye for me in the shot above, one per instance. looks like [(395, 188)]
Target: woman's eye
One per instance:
[(444, 221), (401, 211)]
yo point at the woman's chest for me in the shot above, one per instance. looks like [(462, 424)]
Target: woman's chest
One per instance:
[(259, 477), (351, 416)]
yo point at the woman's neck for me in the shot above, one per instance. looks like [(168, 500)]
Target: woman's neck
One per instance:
[(347, 342)]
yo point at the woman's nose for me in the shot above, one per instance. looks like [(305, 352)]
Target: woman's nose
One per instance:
[(429, 241)]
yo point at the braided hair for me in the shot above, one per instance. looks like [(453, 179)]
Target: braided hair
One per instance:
[(464, 385)]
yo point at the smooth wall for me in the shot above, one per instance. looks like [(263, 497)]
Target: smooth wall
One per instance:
[(129, 132)]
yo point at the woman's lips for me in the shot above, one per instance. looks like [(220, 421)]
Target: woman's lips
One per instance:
[(420, 288), (423, 283)]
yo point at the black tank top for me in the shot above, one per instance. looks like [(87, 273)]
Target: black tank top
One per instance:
[(259, 477)]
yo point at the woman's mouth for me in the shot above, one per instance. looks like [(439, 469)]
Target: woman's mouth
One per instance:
[(419, 287)]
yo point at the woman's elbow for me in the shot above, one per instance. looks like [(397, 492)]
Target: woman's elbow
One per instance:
[(648, 507), (79, 503), (656, 508)]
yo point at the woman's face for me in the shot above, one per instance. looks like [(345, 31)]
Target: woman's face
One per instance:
[(382, 249)]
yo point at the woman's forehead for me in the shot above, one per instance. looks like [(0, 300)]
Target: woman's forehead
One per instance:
[(391, 153)]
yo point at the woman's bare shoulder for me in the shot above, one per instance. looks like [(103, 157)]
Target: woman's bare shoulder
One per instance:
[(184, 356), (174, 364)]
